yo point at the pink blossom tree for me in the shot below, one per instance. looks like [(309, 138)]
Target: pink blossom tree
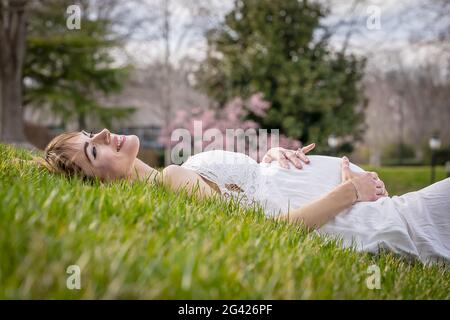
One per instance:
[(233, 116)]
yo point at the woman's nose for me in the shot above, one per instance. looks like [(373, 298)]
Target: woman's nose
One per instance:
[(103, 136)]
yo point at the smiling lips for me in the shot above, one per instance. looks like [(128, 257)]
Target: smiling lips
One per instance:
[(120, 140)]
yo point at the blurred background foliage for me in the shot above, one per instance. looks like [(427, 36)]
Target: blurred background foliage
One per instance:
[(68, 71), (133, 66), (270, 47)]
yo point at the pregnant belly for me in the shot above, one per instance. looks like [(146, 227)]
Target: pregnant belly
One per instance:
[(297, 187)]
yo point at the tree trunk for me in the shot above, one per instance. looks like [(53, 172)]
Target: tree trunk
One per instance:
[(1, 102), (12, 43), (12, 116), (167, 103)]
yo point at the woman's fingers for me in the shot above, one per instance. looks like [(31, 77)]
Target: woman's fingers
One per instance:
[(380, 191), (283, 160), (367, 187), (308, 148), (381, 188), (345, 161), (379, 183), (368, 184), (300, 153), (302, 156), (267, 158), (374, 175), (294, 159), (345, 168)]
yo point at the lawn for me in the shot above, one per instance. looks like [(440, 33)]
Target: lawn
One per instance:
[(400, 180), (136, 241)]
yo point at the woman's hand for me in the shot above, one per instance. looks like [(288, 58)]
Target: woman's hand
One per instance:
[(367, 184), (284, 156)]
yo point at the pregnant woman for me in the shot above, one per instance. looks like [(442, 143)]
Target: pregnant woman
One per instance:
[(330, 195)]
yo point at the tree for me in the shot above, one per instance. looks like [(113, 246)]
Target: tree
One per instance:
[(69, 71), (13, 16), (176, 25), (232, 116), (270, 46), (416, 100)]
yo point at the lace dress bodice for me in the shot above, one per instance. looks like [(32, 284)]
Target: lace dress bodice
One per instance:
[(237, 176)]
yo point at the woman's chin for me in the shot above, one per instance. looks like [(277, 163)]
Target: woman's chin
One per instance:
[(136, 142), (133, 144)]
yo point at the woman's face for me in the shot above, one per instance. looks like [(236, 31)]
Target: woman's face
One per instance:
[(106, 155)]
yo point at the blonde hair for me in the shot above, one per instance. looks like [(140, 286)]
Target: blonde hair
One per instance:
[(59, 156)]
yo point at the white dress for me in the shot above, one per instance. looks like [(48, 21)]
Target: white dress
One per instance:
[(415, 224)]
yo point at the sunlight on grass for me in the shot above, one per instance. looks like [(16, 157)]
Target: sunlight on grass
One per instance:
[(137, 241)]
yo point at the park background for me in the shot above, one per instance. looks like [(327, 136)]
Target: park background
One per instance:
[(368, 79)]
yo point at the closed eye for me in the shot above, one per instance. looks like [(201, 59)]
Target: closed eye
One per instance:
[(94, 149), (90, 135)]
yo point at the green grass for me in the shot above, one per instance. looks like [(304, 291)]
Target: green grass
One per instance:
[(137, 241), (400, 180)]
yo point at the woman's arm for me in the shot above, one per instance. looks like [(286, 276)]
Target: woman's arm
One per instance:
[(177, 178), (315, 214), (360, 187)]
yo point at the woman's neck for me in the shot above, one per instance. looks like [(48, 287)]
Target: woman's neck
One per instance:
[(142, 171)]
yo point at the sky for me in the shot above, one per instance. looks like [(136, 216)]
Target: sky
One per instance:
[(399, 20)]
